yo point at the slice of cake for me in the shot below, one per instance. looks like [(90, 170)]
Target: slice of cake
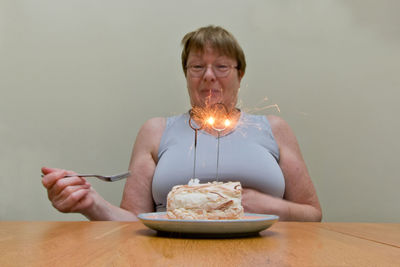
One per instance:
[(210, 201)]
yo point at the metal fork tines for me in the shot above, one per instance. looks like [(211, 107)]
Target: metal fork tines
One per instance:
[(110, 178)]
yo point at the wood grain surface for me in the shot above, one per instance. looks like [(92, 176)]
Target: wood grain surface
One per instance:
[(132, 244)]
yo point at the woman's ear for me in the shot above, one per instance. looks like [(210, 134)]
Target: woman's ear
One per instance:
[(240, 75)]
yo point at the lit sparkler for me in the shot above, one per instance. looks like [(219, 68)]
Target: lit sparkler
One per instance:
[(217, 117)]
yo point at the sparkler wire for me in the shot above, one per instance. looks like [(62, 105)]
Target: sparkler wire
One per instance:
[(216, 172), (195, 143), (219, 130)]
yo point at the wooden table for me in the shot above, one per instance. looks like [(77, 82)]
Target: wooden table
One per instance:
[(132, 244)]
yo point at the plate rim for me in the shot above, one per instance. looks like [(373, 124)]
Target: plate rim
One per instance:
[(262, 217), (209, 228)]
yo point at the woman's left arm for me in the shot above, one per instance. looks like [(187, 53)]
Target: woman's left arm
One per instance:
[(300, 202)]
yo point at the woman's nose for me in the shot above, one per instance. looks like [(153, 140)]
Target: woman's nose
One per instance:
[(209, 74)]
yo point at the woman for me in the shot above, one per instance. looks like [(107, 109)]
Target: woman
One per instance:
[(260, 152)]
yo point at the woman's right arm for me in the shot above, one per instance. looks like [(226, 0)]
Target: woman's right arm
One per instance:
[(75, 194), (138, 197)]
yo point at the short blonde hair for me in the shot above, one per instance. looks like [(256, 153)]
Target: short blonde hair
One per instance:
[(216, 37)]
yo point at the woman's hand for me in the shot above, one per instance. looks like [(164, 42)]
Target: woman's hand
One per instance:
[(254, 201), (67, 194)]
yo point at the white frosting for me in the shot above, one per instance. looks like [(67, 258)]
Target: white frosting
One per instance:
[(194, 181), (205, 201)]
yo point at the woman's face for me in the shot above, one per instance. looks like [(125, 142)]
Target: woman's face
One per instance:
[(209, 88)]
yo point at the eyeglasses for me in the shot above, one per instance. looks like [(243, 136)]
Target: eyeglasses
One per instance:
[(220, 70)]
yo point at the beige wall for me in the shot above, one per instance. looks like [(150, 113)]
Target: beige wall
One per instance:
[(78, 78)]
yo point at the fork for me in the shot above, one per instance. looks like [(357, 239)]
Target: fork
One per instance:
[(110, 178)]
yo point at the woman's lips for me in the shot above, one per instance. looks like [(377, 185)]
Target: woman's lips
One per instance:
[(210, 96), (211, 92)]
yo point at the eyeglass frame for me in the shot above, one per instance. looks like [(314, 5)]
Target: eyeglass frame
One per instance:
[(190, 69)]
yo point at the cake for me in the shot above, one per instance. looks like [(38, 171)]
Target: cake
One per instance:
[(209, 201)]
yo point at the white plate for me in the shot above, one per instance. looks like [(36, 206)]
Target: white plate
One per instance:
[(250, 224)]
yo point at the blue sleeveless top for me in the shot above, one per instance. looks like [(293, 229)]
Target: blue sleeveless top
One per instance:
[(248, 154)]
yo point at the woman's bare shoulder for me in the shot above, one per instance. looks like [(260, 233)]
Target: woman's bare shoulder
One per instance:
[(283, 134), (150, 134), (277, 123), (154, 125)]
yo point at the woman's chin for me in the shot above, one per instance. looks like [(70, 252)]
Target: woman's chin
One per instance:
[(212, 100)]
